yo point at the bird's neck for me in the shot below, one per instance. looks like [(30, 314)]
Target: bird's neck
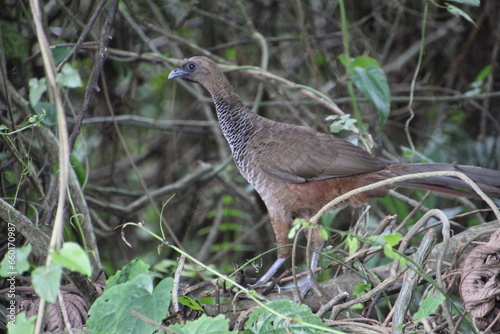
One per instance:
[(235, 120)]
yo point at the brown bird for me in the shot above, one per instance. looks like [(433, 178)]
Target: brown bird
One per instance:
[(297, 171)]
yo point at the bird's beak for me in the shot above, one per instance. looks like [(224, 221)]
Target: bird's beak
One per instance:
[(177, 73)]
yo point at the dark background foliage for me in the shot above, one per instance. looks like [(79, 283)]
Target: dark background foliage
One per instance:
[(163, 129)]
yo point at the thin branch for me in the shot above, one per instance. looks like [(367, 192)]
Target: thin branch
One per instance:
[(92, 84), (54, 93), (410, 282), (83, 36)]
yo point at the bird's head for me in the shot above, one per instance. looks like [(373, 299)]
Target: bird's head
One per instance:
[(204, 71), (195, 69)]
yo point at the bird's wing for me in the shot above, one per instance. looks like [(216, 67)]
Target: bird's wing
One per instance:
[(297, 154)]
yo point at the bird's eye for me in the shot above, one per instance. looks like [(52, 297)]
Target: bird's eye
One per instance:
[(191, 66)]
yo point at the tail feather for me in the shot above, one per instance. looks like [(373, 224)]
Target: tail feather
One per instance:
[(488, 180)]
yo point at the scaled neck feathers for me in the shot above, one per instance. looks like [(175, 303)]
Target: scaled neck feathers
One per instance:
[(236, 120)]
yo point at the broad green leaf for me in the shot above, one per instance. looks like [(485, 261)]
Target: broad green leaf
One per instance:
[(48, 111), (428, 306), (69, 77), (58, 54), (365, 61), (372, 82), (15, 261), (37, 88), (21, 325), (459, 12), (111, 313), (46, 281), (393, 239), (186, 301), (263, 321), (73, 257), (205, 325), (128, 272)]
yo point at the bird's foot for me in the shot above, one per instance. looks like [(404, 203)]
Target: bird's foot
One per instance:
[(267, 276), (304, 284)]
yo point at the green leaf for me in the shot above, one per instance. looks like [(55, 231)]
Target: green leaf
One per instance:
[(227, 199), (298, 223), (14, 43), (69, 77), (392, 239), (474, 3), (58, 54), (263, 321), (135, 268), (79, 169), (230, 53), (15, 261), (328, 218), (360, 289), (320, 60), (364, 62), (372, 82), (340, 123), (36, 119), (358, 307), (205, 325), (483, 74), (428, 306), (343, 59), (111, 313), (21, 325), (37, 88), (46, 281), (459, 12), (48, 111), (323, 233), (392, 254), (73, 257), (352, 244), (186, 301)]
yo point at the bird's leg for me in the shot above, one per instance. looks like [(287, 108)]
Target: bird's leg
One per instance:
[(304, 284), (281, 222), (267, 276)]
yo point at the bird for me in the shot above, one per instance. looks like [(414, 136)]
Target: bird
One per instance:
[(297, 170)]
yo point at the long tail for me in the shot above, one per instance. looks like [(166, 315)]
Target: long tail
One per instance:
[(487, 179)]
